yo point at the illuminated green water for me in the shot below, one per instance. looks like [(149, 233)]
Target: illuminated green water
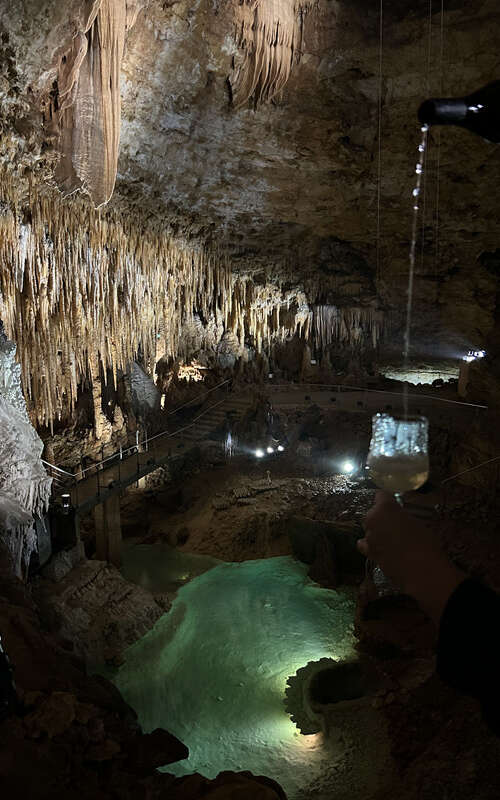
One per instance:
[(213, 670)]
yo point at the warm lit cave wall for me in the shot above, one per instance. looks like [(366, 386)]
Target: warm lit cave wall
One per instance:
[(83, 292)]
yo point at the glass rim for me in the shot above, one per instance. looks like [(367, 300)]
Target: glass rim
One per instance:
[(400, 417)]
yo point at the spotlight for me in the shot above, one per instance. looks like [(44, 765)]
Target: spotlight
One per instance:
[(348, 467), (473, 354), (280, 448), (259, 453), (269, 450)]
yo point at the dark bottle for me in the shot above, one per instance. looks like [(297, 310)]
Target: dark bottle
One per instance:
[(478, 112)]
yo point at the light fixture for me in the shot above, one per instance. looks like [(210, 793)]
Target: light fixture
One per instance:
[(269, 449), (280, 448), (473, 354), (259, 453), (66, 501), (348, 467)]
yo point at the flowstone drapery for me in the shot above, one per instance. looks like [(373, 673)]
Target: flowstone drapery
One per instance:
[(87, 107), (269, 36), (24, 484)]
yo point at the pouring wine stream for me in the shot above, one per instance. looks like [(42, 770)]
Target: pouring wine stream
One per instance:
[(419, 169)]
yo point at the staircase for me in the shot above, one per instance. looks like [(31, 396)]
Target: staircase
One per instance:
[(203, 428)]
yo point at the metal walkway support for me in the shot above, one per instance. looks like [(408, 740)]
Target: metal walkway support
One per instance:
[(108, 530)]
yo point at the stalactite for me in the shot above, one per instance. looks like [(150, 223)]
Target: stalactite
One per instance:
[(82, 292), (353, 326), (269, 36), (88, 110)]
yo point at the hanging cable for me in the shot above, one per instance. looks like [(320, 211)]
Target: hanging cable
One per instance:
[(438, 136), (379, 169)]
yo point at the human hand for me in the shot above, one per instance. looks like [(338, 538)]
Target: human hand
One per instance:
[(409, 553)]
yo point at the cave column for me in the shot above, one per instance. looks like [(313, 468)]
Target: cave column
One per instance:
[(101, 424), (108, 530), (463, 378)]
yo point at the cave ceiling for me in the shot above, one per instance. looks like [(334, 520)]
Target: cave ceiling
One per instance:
[(292, 183)]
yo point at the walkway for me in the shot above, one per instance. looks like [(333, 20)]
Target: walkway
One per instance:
[(99, 487), (97, 483)]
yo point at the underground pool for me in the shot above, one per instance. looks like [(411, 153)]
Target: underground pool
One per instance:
[(213, 671)]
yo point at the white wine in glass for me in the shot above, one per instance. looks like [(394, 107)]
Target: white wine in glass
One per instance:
[(398, 458)]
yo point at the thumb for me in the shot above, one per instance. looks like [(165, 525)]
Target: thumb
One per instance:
[(384, 498)]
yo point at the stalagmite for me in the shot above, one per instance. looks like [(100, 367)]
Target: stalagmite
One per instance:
[(269, 36)]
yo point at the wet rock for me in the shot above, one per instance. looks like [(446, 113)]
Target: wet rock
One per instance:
[(97, 610), (226, 786), (330, 548), (156, 749), (63, 562)]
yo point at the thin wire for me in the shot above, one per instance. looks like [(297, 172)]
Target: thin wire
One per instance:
[(471, 469), (438, 136), (379, 170)]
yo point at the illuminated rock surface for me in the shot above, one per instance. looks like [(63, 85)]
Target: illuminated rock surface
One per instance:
[(213, 671)]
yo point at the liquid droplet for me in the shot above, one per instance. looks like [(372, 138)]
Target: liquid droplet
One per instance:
[(416, 192), (418, 169)]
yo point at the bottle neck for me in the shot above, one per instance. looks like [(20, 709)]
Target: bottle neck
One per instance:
[(443, 111)]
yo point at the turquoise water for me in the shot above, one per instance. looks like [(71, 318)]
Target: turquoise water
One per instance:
[(161, 568), (213, 670)]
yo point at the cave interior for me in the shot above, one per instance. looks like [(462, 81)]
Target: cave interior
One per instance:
[(226, 243)]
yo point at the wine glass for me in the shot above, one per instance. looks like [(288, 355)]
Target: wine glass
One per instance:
[(398, 461), (398, 458)]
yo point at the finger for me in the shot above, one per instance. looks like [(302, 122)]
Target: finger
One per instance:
[(362, 546)]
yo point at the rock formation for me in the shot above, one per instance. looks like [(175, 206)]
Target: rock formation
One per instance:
[(24, 483)]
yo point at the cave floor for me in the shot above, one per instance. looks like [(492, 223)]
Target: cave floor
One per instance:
[(235, 512)]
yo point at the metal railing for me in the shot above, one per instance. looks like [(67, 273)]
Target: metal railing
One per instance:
[(137, 444), (339, 387), (63, 479)]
